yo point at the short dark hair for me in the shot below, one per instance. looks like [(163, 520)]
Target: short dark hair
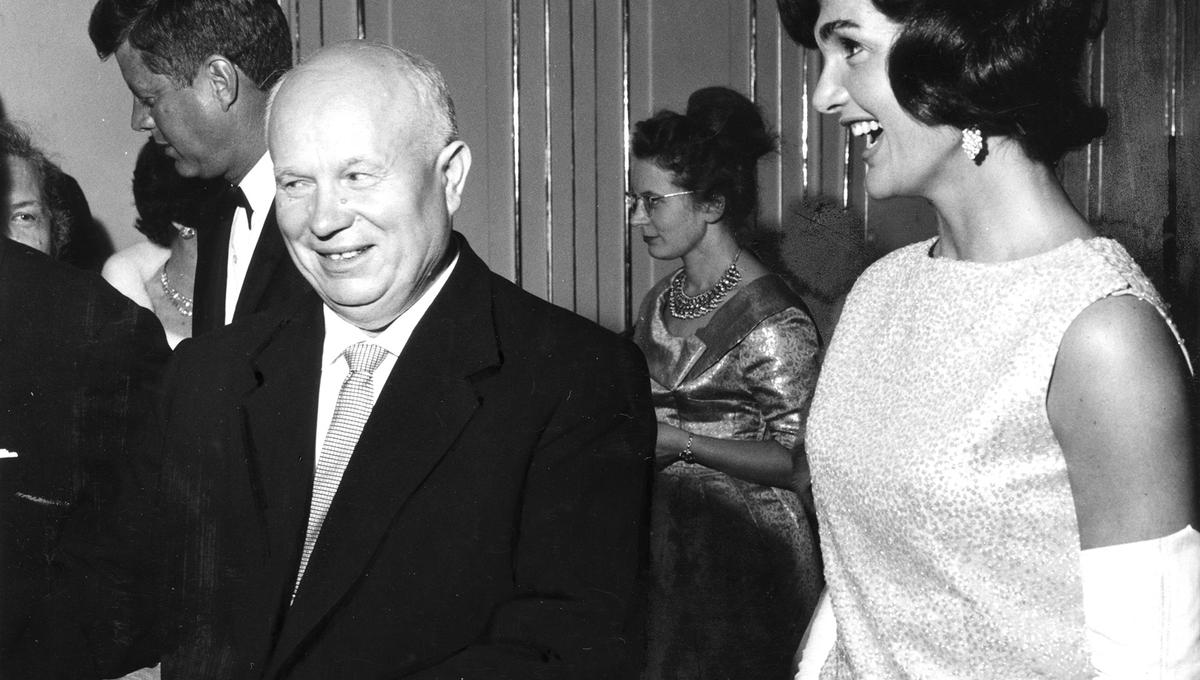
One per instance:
[(176, 36), (1010, 68), (50, 180), (163, 197), (712, 149)]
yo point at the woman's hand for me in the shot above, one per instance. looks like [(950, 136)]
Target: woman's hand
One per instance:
[(761, 462), (671, 441)]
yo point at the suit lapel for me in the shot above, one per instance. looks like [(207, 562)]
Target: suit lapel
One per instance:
[(279, 432), (423, 407), (212, 260)]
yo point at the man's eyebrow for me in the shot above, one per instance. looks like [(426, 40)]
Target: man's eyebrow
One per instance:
[(827, 29), (26, 204)]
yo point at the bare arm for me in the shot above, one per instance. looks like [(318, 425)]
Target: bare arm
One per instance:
[(1119, 406), (765, 462)]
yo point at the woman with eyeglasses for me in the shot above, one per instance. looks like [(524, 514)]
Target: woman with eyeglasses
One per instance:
[(733, 357)]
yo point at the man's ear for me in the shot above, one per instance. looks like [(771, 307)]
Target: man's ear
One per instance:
[(454, 162), (222, 78)]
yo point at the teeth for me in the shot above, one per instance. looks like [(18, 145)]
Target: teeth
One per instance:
[(866, 127), (348, 255)]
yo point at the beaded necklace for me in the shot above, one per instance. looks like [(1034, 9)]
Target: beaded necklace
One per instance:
[(182, 302), (684, 306)]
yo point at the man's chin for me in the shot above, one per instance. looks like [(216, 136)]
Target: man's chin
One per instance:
[(372, 316)]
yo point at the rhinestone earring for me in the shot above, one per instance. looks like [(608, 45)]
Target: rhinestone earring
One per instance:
[(972, 143)]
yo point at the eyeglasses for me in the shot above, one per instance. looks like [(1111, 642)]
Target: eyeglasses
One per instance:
[(648, 200)]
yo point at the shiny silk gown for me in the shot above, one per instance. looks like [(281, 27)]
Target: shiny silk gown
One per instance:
[(734, 565)]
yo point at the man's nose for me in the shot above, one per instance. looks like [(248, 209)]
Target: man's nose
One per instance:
[(140, 119), (331, 212)]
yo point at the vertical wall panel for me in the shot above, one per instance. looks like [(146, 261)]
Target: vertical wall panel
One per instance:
[(1133, 201), (615, 298), (1187, 134), (562, 213)]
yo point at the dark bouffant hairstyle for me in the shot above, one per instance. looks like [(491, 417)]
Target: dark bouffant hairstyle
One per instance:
[(1011, 68), (163, 197), (712, 149), (50, 179), (176, 36)]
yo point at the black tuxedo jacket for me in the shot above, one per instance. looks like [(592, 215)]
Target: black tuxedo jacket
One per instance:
[(491, 523), (271, 280), (79, 364)]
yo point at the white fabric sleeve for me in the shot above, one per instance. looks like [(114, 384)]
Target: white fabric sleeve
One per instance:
[(1141, 604)]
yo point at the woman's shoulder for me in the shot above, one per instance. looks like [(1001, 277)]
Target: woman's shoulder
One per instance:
[(128, 269)]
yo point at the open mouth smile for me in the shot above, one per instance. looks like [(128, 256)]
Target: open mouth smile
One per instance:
[(868, 128)]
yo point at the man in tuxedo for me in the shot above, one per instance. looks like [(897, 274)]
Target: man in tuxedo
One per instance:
[(199, 71), (417, 471), (79, 367)]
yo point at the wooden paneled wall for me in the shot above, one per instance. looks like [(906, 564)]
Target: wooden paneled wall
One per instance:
[(545, 91)]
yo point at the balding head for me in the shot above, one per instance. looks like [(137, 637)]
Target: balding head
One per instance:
[(393, 77)]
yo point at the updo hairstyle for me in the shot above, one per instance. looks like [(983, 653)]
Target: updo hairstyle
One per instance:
[(1010, 67), (713, 149), (163, 197)]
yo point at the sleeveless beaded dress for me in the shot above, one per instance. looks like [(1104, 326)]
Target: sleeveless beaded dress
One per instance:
[(734, 568), (948, 527)]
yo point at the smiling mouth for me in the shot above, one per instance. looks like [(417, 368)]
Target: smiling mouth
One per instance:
[(867, 128), (345, 254)]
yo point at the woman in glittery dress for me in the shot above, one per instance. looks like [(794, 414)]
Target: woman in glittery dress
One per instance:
[(733, 357), (1000, 446)]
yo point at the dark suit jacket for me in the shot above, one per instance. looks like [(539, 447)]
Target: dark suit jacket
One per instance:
[(78, 367), (491, 523), (271, 280)]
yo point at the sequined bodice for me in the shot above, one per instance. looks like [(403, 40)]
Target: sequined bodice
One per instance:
[(947, 522)]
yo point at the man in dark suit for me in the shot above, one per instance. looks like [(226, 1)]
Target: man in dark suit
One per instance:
[(419, 471), (199, 71), (79, 365)]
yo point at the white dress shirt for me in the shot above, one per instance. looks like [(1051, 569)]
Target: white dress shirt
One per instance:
[(340, 334), (259, 187)]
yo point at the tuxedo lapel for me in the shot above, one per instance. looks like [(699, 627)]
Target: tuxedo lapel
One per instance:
[(212, 260), (427, 400)]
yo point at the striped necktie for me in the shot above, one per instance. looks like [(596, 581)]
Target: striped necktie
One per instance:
[(350, 414)]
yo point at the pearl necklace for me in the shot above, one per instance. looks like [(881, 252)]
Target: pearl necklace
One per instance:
[(684, 306), (182, 302)]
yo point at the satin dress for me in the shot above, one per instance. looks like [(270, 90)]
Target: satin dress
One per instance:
[(735, 569)]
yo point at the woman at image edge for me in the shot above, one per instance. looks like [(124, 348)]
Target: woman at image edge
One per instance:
[(999, 443)]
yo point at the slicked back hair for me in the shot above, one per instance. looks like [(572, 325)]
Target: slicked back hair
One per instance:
[(176, 36)]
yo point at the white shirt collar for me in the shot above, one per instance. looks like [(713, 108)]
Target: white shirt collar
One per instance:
[(340, 334), (259, 186)]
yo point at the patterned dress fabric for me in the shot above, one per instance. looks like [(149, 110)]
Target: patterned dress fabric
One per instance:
[(734, 565), (948, 528)]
